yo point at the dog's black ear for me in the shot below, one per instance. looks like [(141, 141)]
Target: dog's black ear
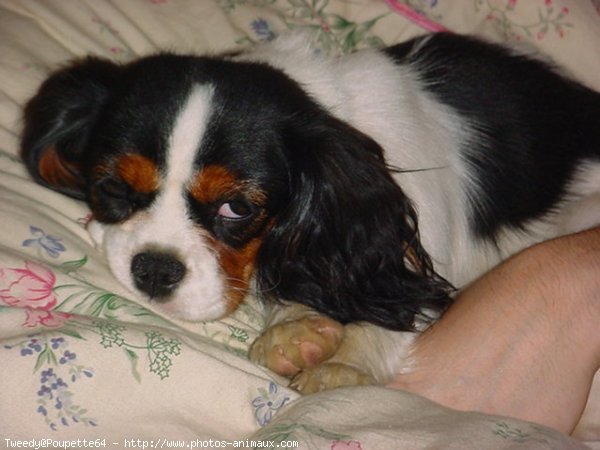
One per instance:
[(58, 120), (348, 244)]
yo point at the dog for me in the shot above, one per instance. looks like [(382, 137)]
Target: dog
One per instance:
[(363, 189)]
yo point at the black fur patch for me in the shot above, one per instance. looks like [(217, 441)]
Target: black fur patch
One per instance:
[(532, 125)]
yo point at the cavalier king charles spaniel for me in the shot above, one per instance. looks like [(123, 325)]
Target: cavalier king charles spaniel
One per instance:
[(358, 192)]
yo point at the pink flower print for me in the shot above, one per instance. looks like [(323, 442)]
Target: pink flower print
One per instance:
[(31, 287), (346, 445), (85, 220), (40, 317)]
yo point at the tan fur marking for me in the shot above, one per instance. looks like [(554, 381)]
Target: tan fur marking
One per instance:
[(213, 183), (55, 171), (138, 172), (238, 265)]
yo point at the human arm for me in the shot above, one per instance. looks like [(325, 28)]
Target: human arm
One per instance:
[(522, 341)]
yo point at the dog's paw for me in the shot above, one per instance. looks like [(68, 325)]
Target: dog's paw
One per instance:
[(328, 376), (289, 347)]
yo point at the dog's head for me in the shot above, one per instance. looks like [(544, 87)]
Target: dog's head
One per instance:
[(204, 174)]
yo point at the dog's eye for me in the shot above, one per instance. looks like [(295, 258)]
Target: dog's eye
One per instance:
[(114, 188), (234, 210)]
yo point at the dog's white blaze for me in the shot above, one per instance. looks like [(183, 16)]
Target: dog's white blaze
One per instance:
[(166, 225), (186, 137)]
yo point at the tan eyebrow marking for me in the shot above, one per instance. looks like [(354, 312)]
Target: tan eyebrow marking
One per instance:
[(138, 172), (215, 182), (212, 183)]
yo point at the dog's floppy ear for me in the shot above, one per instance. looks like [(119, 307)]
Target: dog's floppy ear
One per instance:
[(347, 245), (58, 120)]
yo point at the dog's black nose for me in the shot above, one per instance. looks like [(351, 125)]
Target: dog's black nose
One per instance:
[(157, 274)]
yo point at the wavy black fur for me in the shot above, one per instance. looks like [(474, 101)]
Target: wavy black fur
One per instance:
[(348, 243)]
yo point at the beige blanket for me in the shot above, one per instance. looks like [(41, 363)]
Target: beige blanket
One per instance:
[(81, 360)]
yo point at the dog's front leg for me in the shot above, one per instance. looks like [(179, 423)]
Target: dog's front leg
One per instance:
[(296, 338), (319, 354), (367, 354)]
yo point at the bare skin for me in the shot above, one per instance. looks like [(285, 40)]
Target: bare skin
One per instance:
[(522, 341)]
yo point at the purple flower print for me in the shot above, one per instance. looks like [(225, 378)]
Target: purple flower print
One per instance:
[(67, 356), (50, 244), (59, 369), (263, 30), (268, 403)]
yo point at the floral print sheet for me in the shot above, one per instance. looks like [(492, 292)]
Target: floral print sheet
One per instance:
[(81, 359)]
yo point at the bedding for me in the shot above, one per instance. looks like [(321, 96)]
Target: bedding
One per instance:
[(81, 359)]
